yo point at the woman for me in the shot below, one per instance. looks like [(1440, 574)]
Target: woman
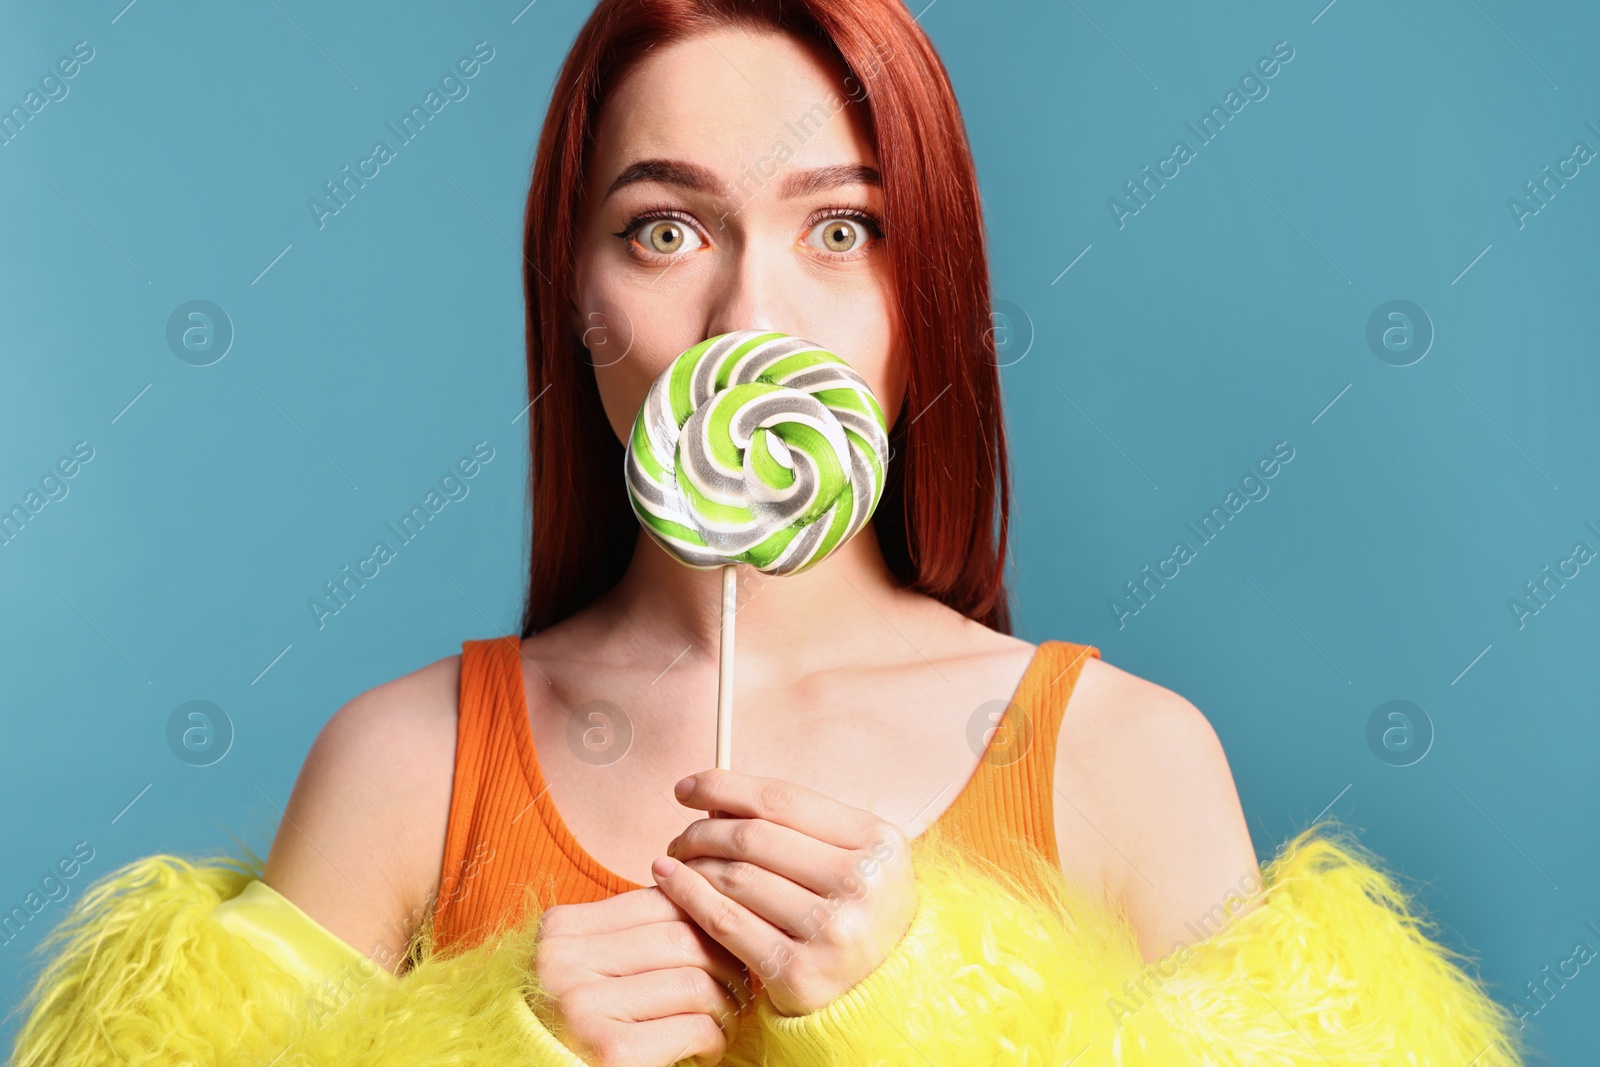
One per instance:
[(707, 166)]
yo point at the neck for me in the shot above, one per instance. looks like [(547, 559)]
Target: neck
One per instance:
[(795, 623)]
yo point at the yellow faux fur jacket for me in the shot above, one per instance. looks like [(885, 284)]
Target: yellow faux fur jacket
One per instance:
[(171, 962)]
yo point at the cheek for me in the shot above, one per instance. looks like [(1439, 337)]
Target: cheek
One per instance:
[(623, 385), (889, 383), (620, 332), (862, 330), (871, 337)]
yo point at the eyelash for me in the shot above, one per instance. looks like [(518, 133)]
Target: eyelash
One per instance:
[(665, 211)]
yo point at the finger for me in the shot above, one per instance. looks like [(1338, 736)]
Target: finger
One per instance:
[(816, 865), (659, 1041), (672, 991), (792, 908), (744, 933), (621, 911), (777, 800), (659, 946)]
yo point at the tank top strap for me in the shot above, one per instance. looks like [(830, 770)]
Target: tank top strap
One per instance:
[(506, 848), (1009, 804), (485, 791)]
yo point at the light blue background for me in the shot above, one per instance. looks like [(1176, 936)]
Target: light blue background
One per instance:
[(1227, 315)]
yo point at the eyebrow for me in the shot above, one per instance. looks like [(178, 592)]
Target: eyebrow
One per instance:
[(694, 177)]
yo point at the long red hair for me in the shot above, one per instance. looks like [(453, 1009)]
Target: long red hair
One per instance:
[(942, 519)]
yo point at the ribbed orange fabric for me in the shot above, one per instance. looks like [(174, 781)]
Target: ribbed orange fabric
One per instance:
[(505, 834)]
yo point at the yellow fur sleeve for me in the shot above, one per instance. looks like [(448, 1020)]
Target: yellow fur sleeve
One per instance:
[(165, 962), (1335, 966)]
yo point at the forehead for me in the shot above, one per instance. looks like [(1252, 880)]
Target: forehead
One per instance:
[(726, 100)]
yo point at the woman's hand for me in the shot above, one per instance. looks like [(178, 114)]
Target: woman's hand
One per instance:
[(633, 982), (810, 893)]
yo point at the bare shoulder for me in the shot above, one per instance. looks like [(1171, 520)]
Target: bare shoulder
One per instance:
[(1146, 807), (362, 839)]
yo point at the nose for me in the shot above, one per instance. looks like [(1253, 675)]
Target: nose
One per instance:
[(753, 294)]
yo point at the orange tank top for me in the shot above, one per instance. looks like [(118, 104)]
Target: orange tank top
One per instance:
[(505, 836)]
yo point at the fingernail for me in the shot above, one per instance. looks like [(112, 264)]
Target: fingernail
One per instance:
[(664, 866), (683, 788)]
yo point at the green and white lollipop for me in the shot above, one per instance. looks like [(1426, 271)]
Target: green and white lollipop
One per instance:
[(755, 447)]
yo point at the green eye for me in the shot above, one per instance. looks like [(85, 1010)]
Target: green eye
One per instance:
[(664, 236), (661, 235), (841, 234)]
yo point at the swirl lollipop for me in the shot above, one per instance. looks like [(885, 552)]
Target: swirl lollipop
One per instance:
[(755, 447)]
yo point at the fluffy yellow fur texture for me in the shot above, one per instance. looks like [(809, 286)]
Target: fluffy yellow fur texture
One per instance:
[(1334, 967)]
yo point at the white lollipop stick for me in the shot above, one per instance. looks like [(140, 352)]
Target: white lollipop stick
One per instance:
[(725, 670), (754, 447)]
